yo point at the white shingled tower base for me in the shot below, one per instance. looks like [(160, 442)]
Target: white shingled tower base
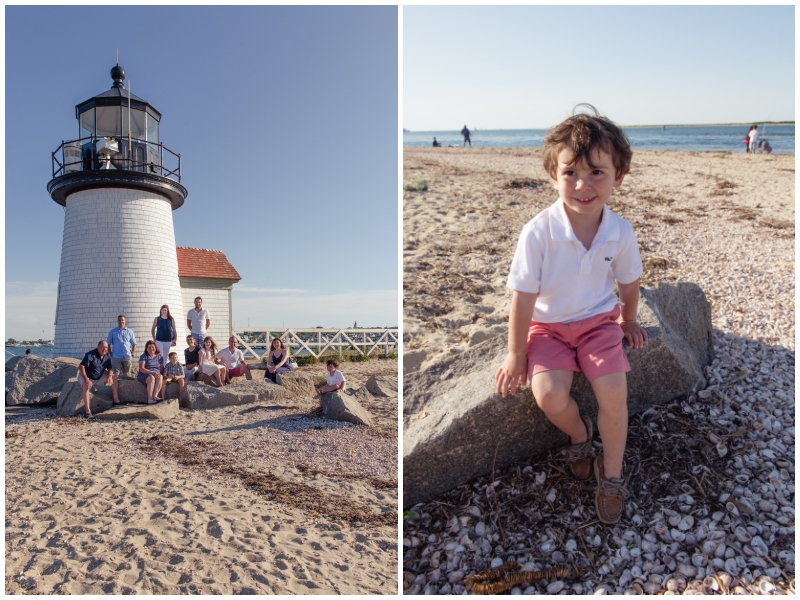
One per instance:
[(117, 257)]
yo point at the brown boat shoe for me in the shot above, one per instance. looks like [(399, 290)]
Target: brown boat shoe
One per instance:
[(609, 501), (579, 456)]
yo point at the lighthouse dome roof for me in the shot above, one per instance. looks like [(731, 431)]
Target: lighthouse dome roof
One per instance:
[(117, 96)]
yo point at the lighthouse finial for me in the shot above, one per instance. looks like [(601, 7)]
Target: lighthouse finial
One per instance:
[(118, 74)]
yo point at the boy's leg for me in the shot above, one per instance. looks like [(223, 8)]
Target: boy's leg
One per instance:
[(612, 419), (551, 391)]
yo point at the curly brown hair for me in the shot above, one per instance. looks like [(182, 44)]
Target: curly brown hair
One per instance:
[(583, 134)]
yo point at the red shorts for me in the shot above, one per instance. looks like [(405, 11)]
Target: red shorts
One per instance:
[(592, 345), (237, 372)]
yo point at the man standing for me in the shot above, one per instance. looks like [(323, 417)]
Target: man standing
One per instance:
[(233, 359), (198, 321), (95, 370), (123, 344), (465, 133)]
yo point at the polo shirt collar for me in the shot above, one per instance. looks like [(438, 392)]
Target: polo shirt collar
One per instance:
[(561, 229)]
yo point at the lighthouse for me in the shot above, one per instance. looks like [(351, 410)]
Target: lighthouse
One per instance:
[(118, 184)]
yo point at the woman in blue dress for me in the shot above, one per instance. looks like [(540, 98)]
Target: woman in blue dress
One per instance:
[(151, 369), (277, 361), (164, 331)]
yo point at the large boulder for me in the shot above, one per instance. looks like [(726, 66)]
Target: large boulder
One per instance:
[(134, 392), (297, 384), (362, 394), (201, 396), (382, 385), (456, 427), (341, 407), (70, 402), (35, 380), (168, 409)]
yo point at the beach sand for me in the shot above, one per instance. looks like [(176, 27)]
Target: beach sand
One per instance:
[(710, 476), (246, 499)]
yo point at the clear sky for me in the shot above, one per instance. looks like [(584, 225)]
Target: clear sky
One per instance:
[(519, 67), (286, 119)]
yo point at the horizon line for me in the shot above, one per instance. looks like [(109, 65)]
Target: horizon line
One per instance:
[(733, 124)]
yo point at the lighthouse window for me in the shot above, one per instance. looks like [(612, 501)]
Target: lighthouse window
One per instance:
[(152, 129), (137, 119), (108, 121), (87, 123)]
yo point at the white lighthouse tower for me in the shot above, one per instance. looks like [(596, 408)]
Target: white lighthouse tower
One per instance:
[(119, 185)]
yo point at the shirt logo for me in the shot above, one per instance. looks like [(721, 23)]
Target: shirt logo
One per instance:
[(608, 258)]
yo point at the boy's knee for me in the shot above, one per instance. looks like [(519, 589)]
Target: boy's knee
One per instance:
[(551, 399)]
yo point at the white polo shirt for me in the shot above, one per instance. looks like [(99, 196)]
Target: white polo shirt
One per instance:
[(230, 359), (573, 283), (198, 320)]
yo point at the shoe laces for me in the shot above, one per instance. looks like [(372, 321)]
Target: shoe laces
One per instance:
[(578, 451), (614, 487)]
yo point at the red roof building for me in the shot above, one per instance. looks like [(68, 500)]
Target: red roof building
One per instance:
[(205, 264), (208, 274)]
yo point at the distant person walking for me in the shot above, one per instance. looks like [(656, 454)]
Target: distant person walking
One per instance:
[(164, 331), (754, 134), (465, 133)]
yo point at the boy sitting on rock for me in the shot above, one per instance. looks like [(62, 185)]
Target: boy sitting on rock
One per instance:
[(564, 311), (334, 378), (173, 371)]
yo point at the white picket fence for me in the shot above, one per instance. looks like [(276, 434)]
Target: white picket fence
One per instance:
[(316, 342)]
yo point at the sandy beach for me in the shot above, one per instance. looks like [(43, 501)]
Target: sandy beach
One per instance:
[(724, 457), (238, 500)]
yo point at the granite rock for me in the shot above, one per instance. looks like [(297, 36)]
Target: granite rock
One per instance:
[(35, 380), (70, 403), (167, 409), (382, 385), (202, 396), (341, 407), (297, 384), (454, 424)]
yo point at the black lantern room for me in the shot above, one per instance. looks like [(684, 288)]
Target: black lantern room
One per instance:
[(118, 146)]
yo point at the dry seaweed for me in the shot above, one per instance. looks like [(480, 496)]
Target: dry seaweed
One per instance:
[(212, 457)]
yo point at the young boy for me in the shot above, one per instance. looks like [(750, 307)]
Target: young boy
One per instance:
[(173, 371), (334, 378), (563, 273)]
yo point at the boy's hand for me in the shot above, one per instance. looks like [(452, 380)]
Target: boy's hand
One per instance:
[(634, 333), (513, 372)]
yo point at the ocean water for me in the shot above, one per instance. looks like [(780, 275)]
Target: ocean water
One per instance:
[(722, 138), (40, 351)]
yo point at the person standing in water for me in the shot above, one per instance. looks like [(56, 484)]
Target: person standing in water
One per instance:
[(465, 133)]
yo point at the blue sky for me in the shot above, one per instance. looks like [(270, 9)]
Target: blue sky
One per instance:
[(517, 67), (286, 119)]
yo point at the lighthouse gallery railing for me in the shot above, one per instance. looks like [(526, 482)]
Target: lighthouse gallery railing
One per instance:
[(73, 157)]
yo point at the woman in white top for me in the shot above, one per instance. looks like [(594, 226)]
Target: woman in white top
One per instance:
[(209, 365)]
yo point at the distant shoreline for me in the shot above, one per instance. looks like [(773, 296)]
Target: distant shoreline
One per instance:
[(747, 124), (764, 123)]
